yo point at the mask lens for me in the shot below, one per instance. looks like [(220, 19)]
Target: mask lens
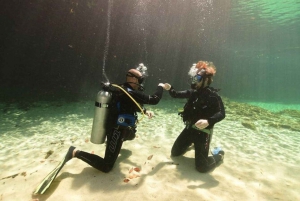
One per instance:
[(140, 79), (196, 78)]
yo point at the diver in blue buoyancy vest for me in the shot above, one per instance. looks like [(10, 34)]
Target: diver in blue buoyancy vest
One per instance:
[(203, 109), (127, 100)]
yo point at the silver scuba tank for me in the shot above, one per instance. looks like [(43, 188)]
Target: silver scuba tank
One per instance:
[(100, 117)]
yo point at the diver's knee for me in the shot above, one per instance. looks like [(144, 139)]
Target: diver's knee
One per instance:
[(175, 153), (204, 169), (199, 169), (107, 168)]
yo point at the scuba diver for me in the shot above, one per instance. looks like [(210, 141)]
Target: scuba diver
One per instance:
[(122, 119), (204, 108)]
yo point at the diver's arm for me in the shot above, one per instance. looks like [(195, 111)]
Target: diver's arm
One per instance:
[(220, 110), (216, 117), (142, 98), (179, 94)]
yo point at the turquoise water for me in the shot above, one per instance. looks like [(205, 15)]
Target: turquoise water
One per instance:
[(262, 52)]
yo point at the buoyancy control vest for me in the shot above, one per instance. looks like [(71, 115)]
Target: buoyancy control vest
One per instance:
[(199, 105)]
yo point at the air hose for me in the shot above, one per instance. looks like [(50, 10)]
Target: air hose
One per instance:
[(114, 85)]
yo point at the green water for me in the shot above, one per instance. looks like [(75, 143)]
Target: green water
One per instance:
[(262, 50)]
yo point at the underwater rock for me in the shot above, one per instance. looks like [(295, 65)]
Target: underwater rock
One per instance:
[(296, 128), (11, 176), (291, 113), (293, 126), (49, 153), (249, 125), (137, 169), (246, 110), (285, 119), (273, 124)]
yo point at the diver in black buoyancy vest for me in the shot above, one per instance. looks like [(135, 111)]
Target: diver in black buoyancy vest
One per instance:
[(202, 111), (127, 98)]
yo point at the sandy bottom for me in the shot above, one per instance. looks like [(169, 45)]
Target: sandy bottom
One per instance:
[(259, 165)]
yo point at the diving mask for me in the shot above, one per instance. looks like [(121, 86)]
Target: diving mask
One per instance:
[(140, 79), (196, 78)]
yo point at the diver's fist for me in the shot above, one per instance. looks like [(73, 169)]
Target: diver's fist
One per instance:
[(167, 86), (202, 123), (162, 85), (150, 114)]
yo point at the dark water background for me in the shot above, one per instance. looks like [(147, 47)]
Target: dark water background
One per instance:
[(57, 49)]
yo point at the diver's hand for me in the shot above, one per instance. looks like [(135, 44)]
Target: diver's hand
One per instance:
[(150, 114), (202, 123), (161, 85), (167, 86)]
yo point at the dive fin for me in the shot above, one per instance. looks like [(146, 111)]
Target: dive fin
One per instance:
[(44, 185)]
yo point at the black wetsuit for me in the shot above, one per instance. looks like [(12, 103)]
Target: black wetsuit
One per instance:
[(202, 104), (119, 133)]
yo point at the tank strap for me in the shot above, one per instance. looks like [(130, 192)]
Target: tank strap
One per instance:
[(102, 105)]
